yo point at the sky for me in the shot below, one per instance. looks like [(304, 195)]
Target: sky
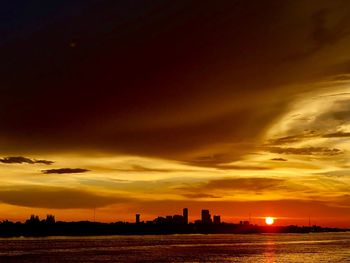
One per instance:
[(125, 107)]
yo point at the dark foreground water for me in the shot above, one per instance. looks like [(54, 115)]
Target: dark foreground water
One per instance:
[(320, 247)]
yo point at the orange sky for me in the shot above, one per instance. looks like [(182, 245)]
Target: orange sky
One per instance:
[(241, 108)]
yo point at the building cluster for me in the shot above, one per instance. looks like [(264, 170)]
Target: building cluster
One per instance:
[(206, 218)]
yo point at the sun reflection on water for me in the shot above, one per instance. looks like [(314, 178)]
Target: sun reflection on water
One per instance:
[(270, 252)]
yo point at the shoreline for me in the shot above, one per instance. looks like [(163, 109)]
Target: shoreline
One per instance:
[(86, 228)]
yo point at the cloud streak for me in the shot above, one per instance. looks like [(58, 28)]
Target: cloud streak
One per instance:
[(141, 168), (279, 159), (324, 151), (294, 138), (21, 159), (65, 171), (337, 135)]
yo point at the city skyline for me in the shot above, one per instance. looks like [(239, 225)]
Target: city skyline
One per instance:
[(204, 217), (177, 224)]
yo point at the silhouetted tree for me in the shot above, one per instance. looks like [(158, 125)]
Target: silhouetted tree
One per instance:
[(50, 219), (33, 220)]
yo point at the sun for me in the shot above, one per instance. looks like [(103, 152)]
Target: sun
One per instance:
[(269, 220)]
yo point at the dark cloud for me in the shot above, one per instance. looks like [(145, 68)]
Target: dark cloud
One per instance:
[(279, 159), (17, 159), (21, 159), (219, 161), (330, 116), (65, 171), (305, 150), (167, 79), (55, 197), (324, 31), (294, 138), (337, 115), (44, 162), (337, 135)]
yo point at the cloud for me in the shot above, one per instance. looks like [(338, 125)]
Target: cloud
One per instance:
[(343, 172), (330, 121), (242, 167), (325, 32), (172, 111), (279, 159), (199, 195), (44, 162), (140, 168), (305, 150), (337, 135), (249, 184), (18, 159), (294, 138), (55, 197), (64, 171), (231, 184), (21, 159)]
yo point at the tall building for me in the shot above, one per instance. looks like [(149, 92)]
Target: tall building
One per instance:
[(217, 219), (137, 218), (185, 215), (206, 217)]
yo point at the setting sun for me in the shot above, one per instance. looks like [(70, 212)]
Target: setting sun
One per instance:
[(269, 220)]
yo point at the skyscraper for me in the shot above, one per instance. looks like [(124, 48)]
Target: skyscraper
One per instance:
[(217, 219), (137, 218), (206, 217), (185, 215)]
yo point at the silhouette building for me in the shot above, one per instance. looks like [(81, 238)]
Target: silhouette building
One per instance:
[(178, 219), (206, 217), (185, 215), (162, 220), (137, 218), (217, 220)]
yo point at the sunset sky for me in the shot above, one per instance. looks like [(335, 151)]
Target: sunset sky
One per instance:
[(240, 107)]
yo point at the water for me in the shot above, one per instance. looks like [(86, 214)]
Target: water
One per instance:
[(316, 247)]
